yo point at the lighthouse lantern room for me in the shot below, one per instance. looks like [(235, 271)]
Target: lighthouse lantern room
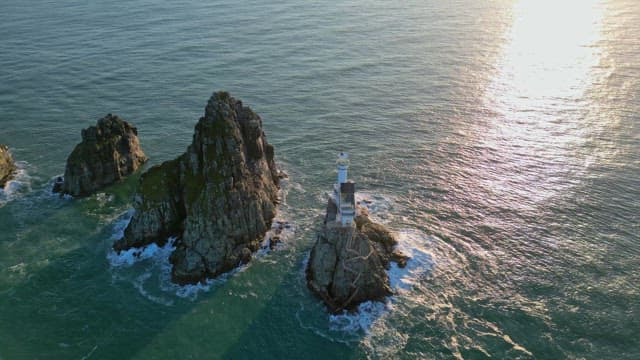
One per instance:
[(344, 192)]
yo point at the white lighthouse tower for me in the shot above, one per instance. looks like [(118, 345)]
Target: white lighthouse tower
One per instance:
[(343, 166), (344, 192)]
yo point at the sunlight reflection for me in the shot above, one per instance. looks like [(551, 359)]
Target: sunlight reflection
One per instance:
[(538, 92), (550, 50)]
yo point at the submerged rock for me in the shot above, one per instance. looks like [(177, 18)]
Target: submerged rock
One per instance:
[(218, 198), (348, 263), (7, 165), (108, 152)]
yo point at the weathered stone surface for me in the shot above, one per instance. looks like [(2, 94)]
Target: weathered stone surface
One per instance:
[(347, 263), (108, 152), (7, 165), (218, 198)]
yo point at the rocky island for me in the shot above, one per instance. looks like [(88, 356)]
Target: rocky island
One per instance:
[(7, 165), (109, 151), (348, 262), (218, 198)]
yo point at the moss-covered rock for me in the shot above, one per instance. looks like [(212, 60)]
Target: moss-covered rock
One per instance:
[(108, 152), (218, 198), (7, 165)]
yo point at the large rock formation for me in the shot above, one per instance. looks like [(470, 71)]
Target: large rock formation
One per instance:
[(7, 166), (108, 152), (218, 198), (348, 263)]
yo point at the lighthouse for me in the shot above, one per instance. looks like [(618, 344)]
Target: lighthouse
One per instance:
[(344, 192), (343, 167)]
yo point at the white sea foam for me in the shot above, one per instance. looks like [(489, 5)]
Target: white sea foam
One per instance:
[(154, 260), (131, 256), (20, 184), (155, 281), (380, 207), (414, 244), (120, 224), (104, 198), (410, 242)]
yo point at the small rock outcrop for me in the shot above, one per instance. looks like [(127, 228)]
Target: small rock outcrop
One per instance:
[(7, 165), (348, 263), (108, 152), (218, 198)]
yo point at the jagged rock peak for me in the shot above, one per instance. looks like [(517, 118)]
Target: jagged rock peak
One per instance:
[(7, 165), (109, 151), (348, 263), (218, 198)]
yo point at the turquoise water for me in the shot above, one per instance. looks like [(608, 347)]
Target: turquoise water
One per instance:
[(500, 140)]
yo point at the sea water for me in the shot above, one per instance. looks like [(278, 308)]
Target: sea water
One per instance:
[(499, 140)]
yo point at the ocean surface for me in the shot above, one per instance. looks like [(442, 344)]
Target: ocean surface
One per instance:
[(500, 140)]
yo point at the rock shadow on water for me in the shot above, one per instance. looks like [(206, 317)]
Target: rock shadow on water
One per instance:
[(316, 332), (69, 306), (252, 305), (100, 308)]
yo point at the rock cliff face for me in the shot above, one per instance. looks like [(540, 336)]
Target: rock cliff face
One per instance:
[(348, 264), (108, 152), (7, 166), (218, 198)]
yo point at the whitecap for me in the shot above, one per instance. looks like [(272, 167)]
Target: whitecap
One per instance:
[(282, 232), (380, 207), (412, 243), (120, 225), (360, 321), (134, 255), (104, 199)]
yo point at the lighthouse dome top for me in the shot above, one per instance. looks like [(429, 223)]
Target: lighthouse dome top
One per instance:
[(343, 159)]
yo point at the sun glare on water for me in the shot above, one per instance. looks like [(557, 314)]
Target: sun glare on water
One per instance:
[(550, 49), (536, 94)]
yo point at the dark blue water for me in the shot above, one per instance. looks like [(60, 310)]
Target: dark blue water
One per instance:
[(500, 141)]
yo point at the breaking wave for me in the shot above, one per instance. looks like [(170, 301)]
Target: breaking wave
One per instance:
[(18, 186), (148, 268)]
